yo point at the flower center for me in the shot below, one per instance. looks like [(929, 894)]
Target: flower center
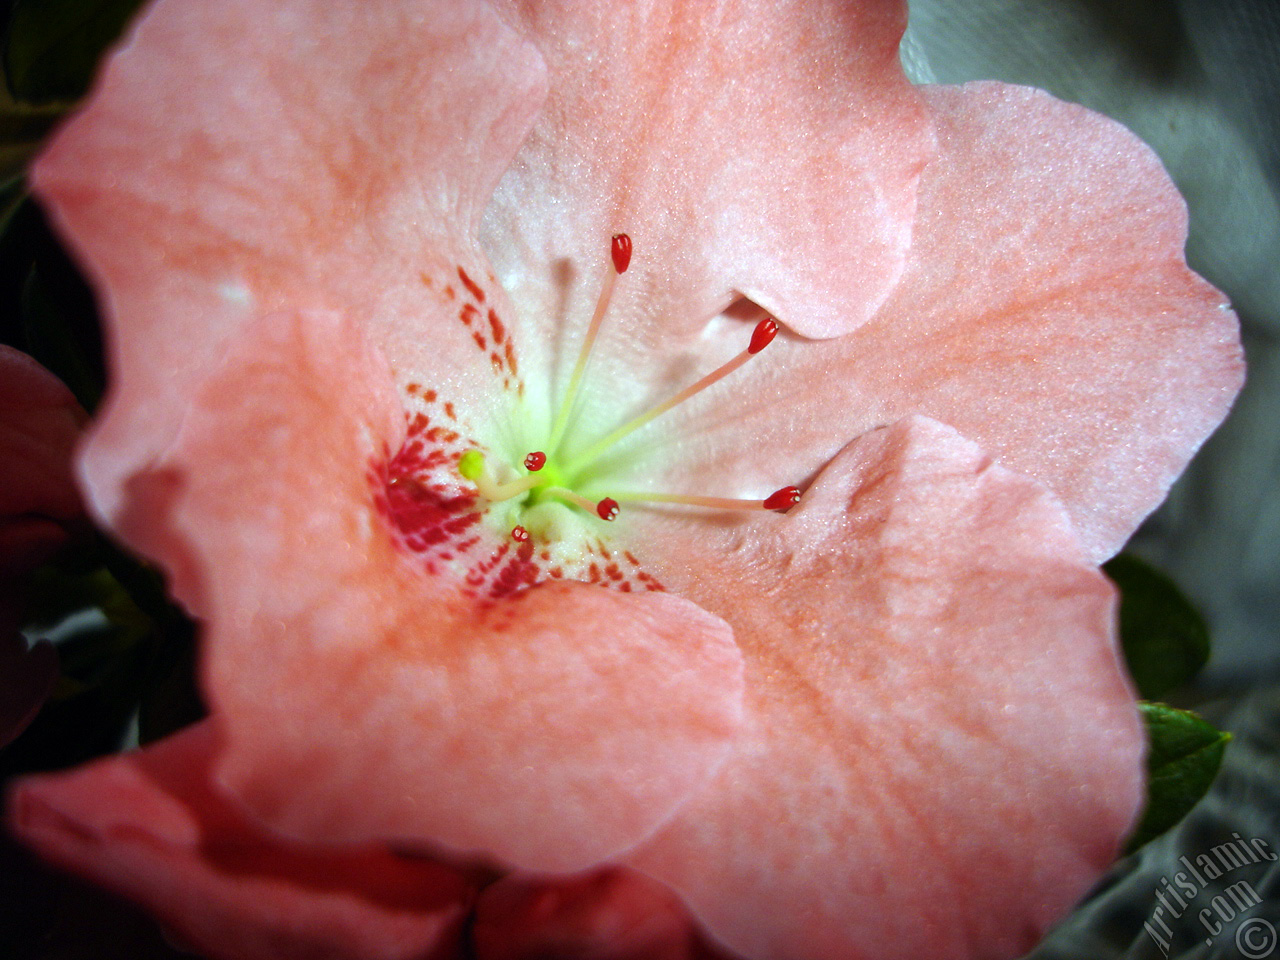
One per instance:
[(551, 475)]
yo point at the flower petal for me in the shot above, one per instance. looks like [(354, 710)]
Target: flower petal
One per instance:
[(771, 149), (40, 423), (1062, 303), (611, 914), (151, 826), (237, 158), (942, 750), (551, 728), (27, 675), (1046, 312)]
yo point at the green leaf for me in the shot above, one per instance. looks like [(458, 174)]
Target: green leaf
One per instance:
[(53, 46), (1165, 640), (1184, 754)]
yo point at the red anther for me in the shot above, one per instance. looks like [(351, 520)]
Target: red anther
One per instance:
[(535, 461), (764, 333), (607, 508), (783, 500), (519, 534), (621, 251)]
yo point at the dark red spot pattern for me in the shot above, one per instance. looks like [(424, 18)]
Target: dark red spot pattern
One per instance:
[(436, 517), (488, 332)]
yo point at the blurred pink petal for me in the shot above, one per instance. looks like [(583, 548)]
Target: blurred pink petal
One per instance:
[(150, 825), (612, 914), (40, 423)]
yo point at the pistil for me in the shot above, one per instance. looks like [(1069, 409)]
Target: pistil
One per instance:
[(472, 466)]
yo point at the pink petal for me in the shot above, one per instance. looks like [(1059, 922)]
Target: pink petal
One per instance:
[(942, 750), (151, 826), (1060, 301), (767, 148), (40, 423), (1046, 312), (236, 158), (27, 675), (363, 697), (612, 914)]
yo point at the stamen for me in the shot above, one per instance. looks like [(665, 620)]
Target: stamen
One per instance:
[(519, 534), (620, 257), (780, 500), (761, 337), (607, 509), (535, 461)]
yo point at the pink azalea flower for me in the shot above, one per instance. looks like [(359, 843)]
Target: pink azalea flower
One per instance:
[(349, 253)]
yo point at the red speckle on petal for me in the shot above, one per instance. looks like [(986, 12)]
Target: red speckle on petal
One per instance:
[(495, 325), (435, 517), (472, 287), (763, 335)]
